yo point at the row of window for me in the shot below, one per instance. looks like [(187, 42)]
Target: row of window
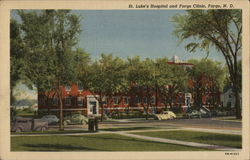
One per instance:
[(67, 101), (116, 101)]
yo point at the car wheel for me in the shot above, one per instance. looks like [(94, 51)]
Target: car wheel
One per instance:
[(18, 130)]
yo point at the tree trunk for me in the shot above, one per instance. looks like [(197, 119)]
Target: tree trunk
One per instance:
[(156, 96), (147, 111), (237, 103), (101, 108), (11, 96), (61, 127)]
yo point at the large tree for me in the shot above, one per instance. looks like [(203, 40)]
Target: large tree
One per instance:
[(207, 78), (172, 80), (49, 37), (17, 51), (221, 29), (141, 77), (106, 77)]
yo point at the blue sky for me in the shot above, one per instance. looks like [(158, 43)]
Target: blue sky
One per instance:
[(125, 33)]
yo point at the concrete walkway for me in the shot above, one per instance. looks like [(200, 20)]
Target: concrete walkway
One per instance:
[(210, 130), (185, 143)]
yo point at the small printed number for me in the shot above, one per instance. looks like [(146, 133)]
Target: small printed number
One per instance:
[(231, 153)]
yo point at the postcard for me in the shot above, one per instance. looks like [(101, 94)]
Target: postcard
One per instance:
[(110, 79)]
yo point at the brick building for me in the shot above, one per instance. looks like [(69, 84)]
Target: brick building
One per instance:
[(76, 99)]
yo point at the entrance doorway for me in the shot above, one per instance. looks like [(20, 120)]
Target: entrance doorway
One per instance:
[(92, 105)]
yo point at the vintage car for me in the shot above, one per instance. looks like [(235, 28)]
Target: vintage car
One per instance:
[(51, 119), (21, 124), (75, 119), (192, 114), (165, 115)]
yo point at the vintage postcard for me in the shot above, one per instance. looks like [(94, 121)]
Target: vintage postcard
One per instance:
[(128, 79)]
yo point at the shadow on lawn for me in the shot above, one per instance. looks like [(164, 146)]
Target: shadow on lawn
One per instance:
[(222, 138), (125, 139), (57, 147), (127, 129)]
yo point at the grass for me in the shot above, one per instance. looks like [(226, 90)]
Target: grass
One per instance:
[(95, 142), (128, 128), (50, 132), (200, 137)]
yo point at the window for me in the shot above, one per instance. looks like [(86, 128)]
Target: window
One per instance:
[(153, 100), (229, 96), (80, 87), (145, 100), (80, 101), (67, 88), (67, 101), (126, 100), (137, 89), (55, 101), (137, 100), (115, 100)]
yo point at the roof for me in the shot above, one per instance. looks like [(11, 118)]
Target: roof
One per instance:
[(182, 64)]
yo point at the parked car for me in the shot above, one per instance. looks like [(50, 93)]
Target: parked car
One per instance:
[(165, 115), (51, 119), (75, 119), (28, 124), (205, 112), (192, 114)]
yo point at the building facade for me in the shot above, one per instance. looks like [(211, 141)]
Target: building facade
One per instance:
[(77, 100)]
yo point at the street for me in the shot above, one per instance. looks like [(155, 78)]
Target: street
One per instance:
[(205, 123)]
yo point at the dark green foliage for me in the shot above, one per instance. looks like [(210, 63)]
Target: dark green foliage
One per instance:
[(221, 29), (207, 77), (49, 37)]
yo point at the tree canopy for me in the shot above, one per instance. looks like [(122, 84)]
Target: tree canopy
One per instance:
[(49, 37), (219, 28)]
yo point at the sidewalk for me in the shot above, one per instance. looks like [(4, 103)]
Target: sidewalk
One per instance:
[(185, 143)]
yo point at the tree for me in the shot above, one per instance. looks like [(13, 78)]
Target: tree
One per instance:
[(17, 51), (172, 80), (49, 38), (207, 77), (142, 78), (106, 77), (221, 29)]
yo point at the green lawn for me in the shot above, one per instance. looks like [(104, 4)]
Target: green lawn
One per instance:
[(95, 142), (200, 137), (128, 128), (50, 132)]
